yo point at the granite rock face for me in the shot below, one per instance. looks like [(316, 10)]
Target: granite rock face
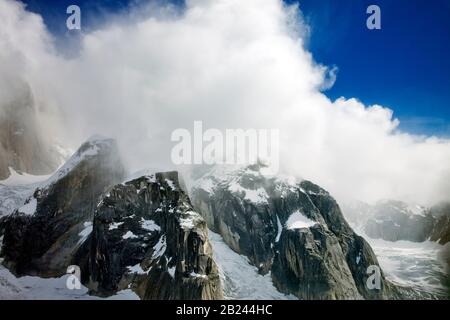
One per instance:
[(41, 236), (293, 229), (2, 225), (147, 236), (441, 229), (22, 146)]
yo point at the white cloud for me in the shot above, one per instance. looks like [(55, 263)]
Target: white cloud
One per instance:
[(232, 64)]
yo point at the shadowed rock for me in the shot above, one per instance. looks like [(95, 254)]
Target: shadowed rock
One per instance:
[(293, 229), (146, 236), (41, 236), (441, 230)]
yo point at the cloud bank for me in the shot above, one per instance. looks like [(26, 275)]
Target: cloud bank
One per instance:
[(231, 64)]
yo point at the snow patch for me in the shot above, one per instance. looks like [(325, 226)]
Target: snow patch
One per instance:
[(172, 271), (197, 275), (30, 207), (255, 196), (171, 184), (137, 269), (159, 248), (85, 232), (129, 235), (280, 229), (149, 225), (190, 219), (298, 221), (114, 225)]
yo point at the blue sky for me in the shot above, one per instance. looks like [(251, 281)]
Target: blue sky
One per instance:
[(404, 66)]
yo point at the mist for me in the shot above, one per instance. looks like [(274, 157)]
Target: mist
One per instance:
[(231, 64)]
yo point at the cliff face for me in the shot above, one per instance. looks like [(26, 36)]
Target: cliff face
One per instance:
[(41, 236), (142, 234), (293, 229), (22, 146), (441, 229), (146, 236)]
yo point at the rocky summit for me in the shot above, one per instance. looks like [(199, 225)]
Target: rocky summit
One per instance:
[(146, 236), (142, 235), (42, 235), (293, 229)]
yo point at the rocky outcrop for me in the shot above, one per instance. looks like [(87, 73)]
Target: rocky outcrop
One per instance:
[(22, 145), (147, 236), (395, 220), (41, 236), (2, 226), (293, 229), (441, 229)]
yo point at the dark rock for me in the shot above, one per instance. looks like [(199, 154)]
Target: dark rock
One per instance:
[(41, 236), (146, 236), (2, 226), (311, 265), (441, 229), (317, 257)]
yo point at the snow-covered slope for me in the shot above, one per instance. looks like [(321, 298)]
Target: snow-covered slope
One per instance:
[(240, 279), (35, 288), (16, 189), (413, 265)]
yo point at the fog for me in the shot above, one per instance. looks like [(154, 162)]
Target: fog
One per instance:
[(231, 64)]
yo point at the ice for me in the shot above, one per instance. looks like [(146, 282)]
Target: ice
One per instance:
[(413, 265)]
